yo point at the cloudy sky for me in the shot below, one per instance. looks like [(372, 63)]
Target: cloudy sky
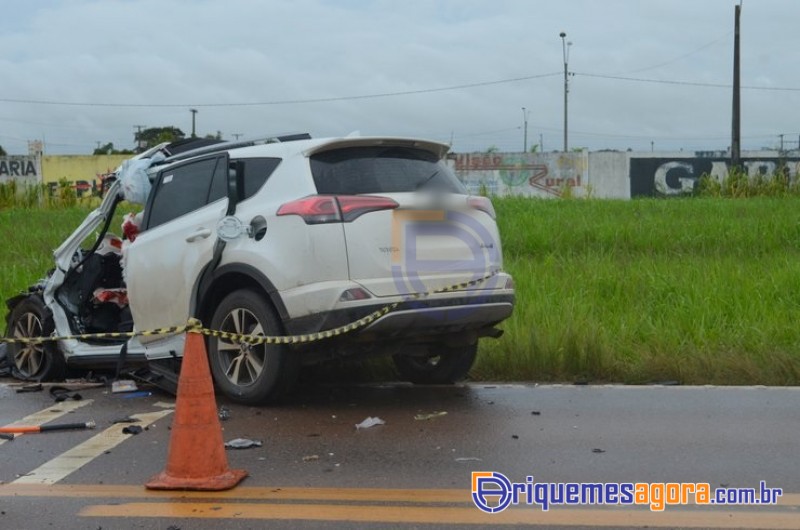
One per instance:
[(75, 72)]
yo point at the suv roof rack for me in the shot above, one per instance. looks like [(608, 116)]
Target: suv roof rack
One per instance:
[(224, 146)]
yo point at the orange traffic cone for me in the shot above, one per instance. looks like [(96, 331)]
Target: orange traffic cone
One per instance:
[(196, 458)]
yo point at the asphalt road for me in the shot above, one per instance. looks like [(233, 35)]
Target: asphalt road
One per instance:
[(315, 469)]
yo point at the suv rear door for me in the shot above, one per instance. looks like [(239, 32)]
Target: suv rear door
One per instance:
[(176, 242), (436, 237)]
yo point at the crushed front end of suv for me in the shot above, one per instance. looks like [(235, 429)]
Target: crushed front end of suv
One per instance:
[(286, 236)]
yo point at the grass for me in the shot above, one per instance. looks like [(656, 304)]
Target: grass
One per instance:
[(694, 290)]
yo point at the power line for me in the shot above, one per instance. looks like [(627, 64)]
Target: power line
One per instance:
[(277, 102), (676, 59), (685, 83)]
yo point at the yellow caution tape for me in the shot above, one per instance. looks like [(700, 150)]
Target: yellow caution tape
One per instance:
[(195, 326)]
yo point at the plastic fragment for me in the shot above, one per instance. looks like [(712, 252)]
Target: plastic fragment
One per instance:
[(123, 385), (370, 421), (430, 416), (242, 443), (126, 419)]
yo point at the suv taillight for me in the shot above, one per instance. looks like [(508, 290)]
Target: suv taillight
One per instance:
[(483, 204), (318, 209)]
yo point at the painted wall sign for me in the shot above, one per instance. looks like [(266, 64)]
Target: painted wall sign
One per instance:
[(21, 168), (544, 174), (663, 177)]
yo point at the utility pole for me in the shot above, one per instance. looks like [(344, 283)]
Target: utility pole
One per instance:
[(138, 138), (781, 137), (565, 52), (736, 133), (541, 143), (525, 126), (236, 135), (194, 113)]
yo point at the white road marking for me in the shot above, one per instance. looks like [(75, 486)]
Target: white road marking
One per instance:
[(80, 455), (49, 414)]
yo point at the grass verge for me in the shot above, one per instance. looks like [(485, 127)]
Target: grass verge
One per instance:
[(696, 290)]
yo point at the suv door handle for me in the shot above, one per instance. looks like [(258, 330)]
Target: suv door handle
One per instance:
[(201, 233)]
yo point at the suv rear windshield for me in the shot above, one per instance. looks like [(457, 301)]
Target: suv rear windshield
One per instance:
[(381, 169)]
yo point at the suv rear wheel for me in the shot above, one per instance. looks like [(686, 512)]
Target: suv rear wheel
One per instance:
[(447, 365), (248, 373), (42, 361)]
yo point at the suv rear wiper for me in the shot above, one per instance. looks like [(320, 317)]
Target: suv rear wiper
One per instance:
[(422, 183)]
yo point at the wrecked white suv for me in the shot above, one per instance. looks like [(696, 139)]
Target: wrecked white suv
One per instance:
[(284, 236)]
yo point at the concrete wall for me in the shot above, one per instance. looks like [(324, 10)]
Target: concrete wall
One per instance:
[(608, 175), (611, 174), (83, 172)]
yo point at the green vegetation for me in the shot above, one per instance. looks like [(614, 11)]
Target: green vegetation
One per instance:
[(738, 184), (13, 195), (29, 237), (692, 290), (696, 290)]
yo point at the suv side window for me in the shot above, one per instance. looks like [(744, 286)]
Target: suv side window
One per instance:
[(180, 190), (256, 173)]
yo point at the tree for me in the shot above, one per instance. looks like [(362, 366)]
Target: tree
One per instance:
[(108, 149), (217, 136), (147, 138), (3, 151)]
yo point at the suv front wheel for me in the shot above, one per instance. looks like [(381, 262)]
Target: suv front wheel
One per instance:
[(41, 361), (445, 365), (246, 373)]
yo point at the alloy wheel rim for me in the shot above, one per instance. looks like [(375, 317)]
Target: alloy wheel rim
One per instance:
[(30, 357), (242, 363)]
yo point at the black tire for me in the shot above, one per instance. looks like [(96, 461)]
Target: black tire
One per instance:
[(443, 366), (250, 374), (34, 362)]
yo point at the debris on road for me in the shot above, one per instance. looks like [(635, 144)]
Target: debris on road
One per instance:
[(242, 443), (132, 429), (164, 405), (6, 436), (597, 450), (126, 419), (370, 422), (536, 413), (29, 429), (423, 417), (310, 458), (29, 388), (469, 459), (135, 395), (224, 413), (123, 385), (61, 393)]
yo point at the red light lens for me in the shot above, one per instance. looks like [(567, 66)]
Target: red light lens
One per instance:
[(354, 206), (483, 204), (316, 209)]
